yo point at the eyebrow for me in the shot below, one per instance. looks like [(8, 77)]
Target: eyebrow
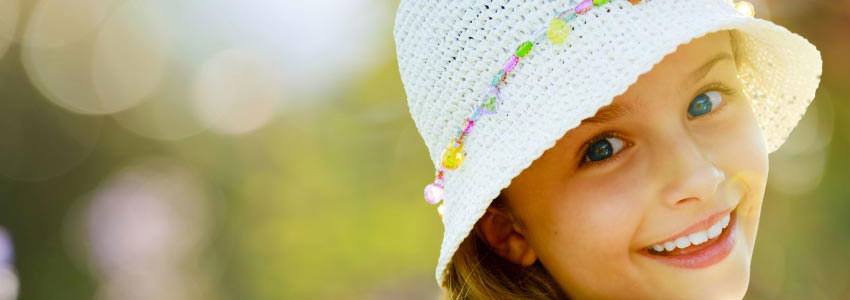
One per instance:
[(615, 111), (609, 113), (703, 70)]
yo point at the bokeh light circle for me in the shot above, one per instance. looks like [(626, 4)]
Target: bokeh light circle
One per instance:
[(9, 284), (152, 285), (153, 213), (321, 43), (238, 91), (59, 23), (114, 58), (167, 115), (802, 159), (130, 55), (7, 251)]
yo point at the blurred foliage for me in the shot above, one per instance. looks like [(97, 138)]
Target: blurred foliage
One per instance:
[(324, 202)]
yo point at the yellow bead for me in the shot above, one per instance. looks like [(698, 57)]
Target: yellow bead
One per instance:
[(453, 156), (558, 31), (745, 8)]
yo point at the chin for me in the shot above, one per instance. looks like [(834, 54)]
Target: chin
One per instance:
[(728, 279)]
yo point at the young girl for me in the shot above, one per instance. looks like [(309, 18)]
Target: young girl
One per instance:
[(599, 149)]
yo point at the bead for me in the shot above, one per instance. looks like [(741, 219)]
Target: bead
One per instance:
[(482, 111), (558, 31), (476, 114), (493, 91), (524, 49), (469, 125), (491, 96), (441, 210), (458, 141), (745, 8), (434, 193), (599, 2), (500, 76), (460, 136), (453, 156), (633, 2), (570, 16), (511, 64), (584, 6), (489, 105)]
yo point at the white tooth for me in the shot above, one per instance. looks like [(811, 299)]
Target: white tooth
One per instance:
[(725, 221), (698, 237), (657, 248), (669, 246), (715, 230), (683, 242)]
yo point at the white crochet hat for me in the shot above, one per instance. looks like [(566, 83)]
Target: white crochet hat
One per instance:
[(581, 55)]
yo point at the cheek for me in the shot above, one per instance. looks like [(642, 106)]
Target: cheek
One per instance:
[(586, 235), (733, 141), (743, 156), (739, 146)]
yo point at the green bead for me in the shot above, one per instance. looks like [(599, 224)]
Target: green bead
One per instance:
[(524, 49), (490, 104), (599, 2)]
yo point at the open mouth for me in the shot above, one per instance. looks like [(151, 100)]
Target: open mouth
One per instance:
[(698, 249)]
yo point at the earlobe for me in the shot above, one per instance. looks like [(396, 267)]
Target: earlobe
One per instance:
[(499, 230)]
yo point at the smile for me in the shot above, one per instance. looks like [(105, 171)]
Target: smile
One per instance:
[(701, 245)]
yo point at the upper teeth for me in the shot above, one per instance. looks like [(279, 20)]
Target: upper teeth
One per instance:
[(695, 238)]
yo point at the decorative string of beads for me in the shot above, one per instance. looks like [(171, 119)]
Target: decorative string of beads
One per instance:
[(556, 32)]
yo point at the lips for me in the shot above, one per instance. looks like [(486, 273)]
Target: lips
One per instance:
[(696, 234), (703, 255)]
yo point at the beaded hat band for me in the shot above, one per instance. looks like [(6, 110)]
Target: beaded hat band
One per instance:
[(556, 32)]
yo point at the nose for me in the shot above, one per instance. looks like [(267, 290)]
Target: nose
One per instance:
[(690, 173)]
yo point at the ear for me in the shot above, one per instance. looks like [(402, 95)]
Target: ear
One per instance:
[(505, 237)]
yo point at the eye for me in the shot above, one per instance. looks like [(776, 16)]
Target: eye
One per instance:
[(704, 103), (603, 148)]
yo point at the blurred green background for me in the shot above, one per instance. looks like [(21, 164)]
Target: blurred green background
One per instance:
[(206, 149)]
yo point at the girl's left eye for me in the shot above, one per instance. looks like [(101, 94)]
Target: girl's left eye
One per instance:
[(603, 149), (704, 103)]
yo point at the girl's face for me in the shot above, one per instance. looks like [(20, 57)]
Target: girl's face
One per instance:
[(672, 156)]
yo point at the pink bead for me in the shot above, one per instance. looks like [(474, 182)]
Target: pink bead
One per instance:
[(469, 124), (433, 193), (511, 64), (584, 6)]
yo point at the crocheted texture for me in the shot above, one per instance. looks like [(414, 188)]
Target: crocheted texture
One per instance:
[(556, 32), (448, 50)]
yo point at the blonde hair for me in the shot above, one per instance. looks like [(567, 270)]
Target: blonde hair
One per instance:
[(477, 272)]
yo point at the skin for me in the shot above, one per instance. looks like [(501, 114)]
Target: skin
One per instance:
[(586, 223)]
